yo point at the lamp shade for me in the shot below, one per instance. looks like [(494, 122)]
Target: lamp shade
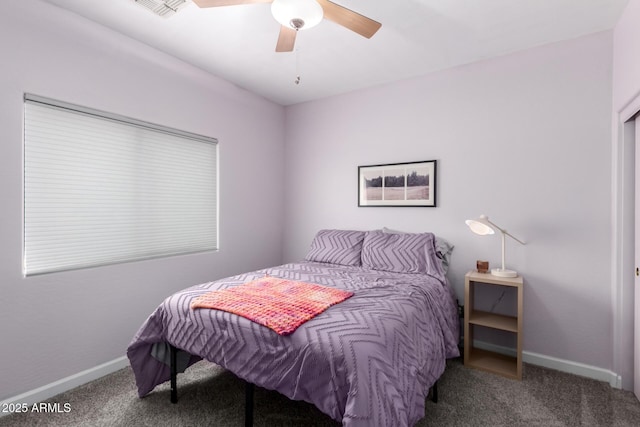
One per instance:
[(480, 226), (297, 14)]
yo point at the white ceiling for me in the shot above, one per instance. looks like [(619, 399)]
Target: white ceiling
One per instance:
[(237, 43)]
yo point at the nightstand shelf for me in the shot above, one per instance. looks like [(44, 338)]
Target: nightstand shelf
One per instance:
[(508, 366), (496, 321), (496, 363)]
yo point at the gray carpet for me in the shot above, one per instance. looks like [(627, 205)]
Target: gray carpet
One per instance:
[(210, 396)]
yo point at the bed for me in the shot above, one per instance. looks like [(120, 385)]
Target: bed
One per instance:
[(369, 360)]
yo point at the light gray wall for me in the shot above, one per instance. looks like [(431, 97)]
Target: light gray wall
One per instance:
[(626, 61), (57, 325), (524, 138)]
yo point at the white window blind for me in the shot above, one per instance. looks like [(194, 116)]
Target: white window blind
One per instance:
[(101, 189)]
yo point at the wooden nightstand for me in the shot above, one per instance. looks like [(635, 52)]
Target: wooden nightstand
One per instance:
[(483, 359)]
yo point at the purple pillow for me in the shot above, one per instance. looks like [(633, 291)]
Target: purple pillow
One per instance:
[(401, 253), (337, 247)]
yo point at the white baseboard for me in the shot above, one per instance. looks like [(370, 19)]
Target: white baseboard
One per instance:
[(561, 365), (570, 367), (65, 384)]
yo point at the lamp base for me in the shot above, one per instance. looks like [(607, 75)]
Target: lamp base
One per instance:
[(503, 272)]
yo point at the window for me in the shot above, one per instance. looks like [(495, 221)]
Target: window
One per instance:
[(101, 189)]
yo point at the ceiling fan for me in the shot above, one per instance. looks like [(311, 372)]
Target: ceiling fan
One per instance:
[(294, 15)]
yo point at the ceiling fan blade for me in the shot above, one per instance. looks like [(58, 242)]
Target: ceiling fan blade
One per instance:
[(360, 24), (216, 3), (286, 39)]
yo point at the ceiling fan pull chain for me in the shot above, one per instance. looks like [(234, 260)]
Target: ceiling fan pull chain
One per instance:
[(297, 80)]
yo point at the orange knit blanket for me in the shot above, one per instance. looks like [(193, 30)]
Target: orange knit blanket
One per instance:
[(280, 304)]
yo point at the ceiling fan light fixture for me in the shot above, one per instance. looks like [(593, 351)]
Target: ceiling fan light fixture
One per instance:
[(297, 14)]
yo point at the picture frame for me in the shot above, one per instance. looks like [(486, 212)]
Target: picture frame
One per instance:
[(410, 184)]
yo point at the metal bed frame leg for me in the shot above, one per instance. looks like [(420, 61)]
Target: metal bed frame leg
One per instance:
[(173, 353), (248, 405)]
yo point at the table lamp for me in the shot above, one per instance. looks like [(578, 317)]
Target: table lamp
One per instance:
[(483, 226)]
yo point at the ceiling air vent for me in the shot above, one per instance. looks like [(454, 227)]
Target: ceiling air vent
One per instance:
[(164, 8)]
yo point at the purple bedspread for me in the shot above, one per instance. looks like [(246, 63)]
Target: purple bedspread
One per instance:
[(368, 361)]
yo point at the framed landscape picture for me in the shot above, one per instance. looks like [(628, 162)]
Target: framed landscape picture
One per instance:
[(398, 184)]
